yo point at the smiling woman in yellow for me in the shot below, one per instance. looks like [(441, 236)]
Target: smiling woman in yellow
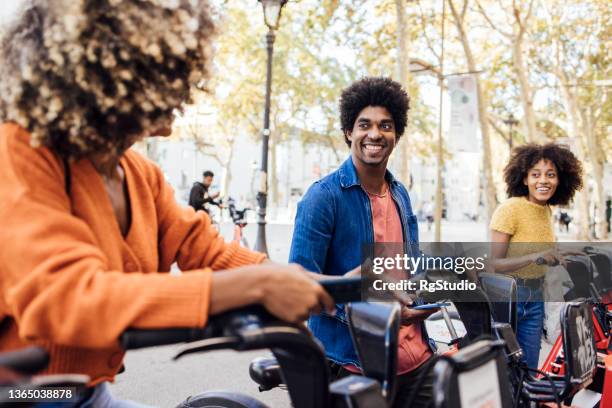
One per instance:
[(536, 177)]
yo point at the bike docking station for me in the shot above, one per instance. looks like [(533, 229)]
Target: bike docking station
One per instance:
[(577, 370), (482, 366)]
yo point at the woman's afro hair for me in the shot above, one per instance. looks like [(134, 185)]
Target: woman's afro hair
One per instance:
[(569, 170), (94, 76)]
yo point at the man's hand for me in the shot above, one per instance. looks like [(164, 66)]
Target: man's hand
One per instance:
[(410, 315), (353, 272), (319, 276)]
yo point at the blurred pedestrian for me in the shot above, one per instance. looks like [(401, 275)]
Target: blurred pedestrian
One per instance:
[(565, 220), (199, 197), (428, 212), (608, 211)]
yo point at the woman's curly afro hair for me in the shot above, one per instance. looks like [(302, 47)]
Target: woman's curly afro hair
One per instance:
[(94, 76), (569, 170), (374, 91)]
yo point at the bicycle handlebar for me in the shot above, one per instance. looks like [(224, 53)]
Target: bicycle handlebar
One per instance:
[(224, 324), (236, 323), (29, 360), (139, 338)]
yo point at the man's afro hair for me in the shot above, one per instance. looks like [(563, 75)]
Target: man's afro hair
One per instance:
[(374, 91)]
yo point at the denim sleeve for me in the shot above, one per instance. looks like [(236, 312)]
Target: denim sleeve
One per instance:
[(314, 225)]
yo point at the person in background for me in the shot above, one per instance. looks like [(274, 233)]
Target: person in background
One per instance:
[(608, 212), (537, 177), (199, 198), (565, 220), (90, 228), (357, 204), (428, 211)]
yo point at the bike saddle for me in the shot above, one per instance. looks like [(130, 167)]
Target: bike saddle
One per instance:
[(266, 372)]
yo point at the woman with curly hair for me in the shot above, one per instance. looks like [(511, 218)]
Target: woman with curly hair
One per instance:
[(537, 177), (90, 228)]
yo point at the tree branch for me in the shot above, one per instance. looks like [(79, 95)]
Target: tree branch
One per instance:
[(522, 23), (503, 134), (426, 66), (456, 15), (491, 24), (464, 10), (427, 39)]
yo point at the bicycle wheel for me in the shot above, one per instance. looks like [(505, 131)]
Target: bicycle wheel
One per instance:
[(221, 399)]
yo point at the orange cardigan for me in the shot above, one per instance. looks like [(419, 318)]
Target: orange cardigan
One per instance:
[(70, 282)]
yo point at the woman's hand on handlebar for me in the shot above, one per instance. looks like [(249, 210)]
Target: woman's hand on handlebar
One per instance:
[(291, 293), (286, 291), (551, 257)]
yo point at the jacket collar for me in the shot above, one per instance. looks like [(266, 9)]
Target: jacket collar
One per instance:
[(349, 178)]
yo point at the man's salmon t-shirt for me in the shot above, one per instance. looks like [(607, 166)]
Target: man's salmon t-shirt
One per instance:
[(413, 349)]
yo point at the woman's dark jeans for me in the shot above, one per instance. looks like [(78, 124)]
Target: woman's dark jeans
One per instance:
[(530, 311)]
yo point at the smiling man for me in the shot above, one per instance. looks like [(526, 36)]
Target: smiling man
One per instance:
[(357, 204)]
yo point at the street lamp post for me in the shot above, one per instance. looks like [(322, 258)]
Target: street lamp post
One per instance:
[(439, 192), (272, 12), (511, 122)]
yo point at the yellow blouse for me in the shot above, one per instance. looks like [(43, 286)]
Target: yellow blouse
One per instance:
[(531, 229)]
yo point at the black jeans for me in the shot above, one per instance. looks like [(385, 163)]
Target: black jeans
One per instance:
[(404, 387)]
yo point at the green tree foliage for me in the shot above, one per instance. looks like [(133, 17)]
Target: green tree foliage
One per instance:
[(322, 46)]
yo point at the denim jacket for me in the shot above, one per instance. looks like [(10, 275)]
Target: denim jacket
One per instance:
[(333, 221)]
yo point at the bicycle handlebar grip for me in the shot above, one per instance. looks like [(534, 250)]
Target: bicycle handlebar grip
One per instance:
[(139, 338), (29, 360)]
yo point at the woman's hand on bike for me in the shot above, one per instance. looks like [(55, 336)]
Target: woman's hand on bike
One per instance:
[(291, 293), (551, 257), (287, 291)]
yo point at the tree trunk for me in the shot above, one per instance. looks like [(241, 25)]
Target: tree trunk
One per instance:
[(601, 230), (403, 75), (490, 196), (582, 199), (582, 202), (329, 138), (228, 169), (525, 91)]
